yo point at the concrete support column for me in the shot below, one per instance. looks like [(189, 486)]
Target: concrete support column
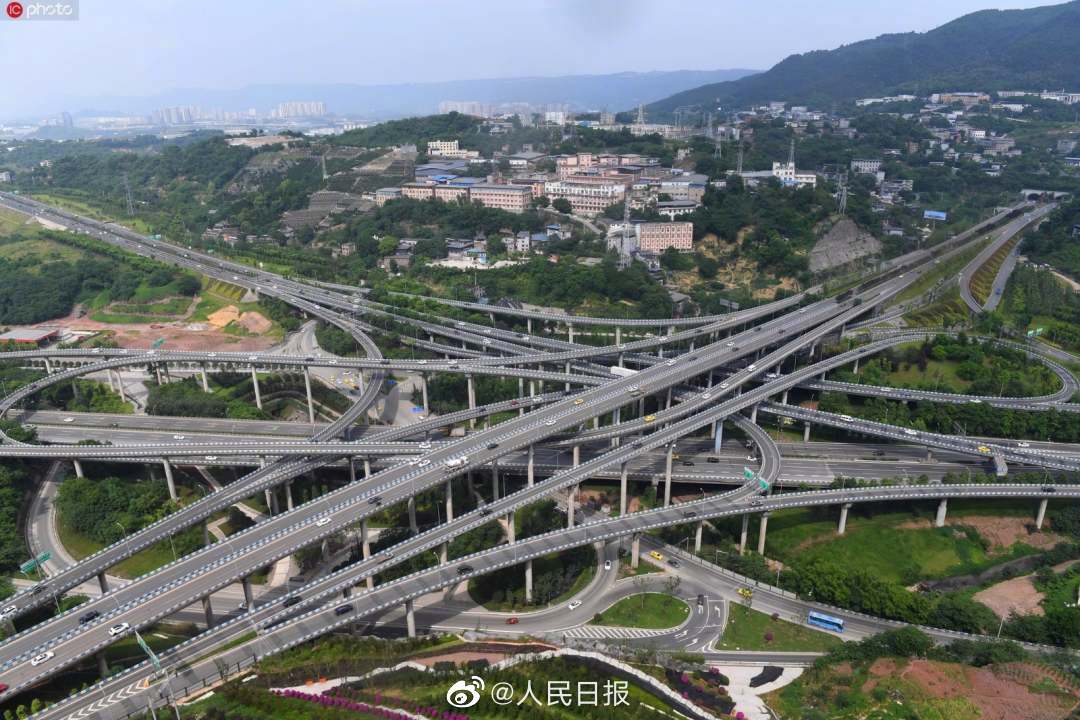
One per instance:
[(495, 479), (103, 582), (528, 581), (929, 455), (157, 373), (530, 471), (570, 331), (667, 474), (571, 500), (423, 391), (718, 437), (783, 398), (623, 499), (806, 433), (942, 508), (352, 469), (697, 536), (102, 664), (365, 550), (567, 386), (616, 419), (413, 527), (367, 468), (271, 501), (521, 396), (449, 501), (410, 619), (307, 389), (208, 611), (753, 413), (288, 495), (856, 368), (761, 533), (843, 518), (120, 386), (249, 596), (577, 455), (205, 381), (1041, 514), (108, 376), (618, 335), (48, 367), (511, 530), (528, 325), (78, 468), (255, 384), (743, 532), (635, 550), (169, 478), (471, 388)]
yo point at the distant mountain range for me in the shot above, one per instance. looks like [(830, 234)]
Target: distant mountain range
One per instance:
[(615, 92), (1032, 49)]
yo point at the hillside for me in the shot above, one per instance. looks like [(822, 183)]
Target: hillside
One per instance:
[(986, 50)]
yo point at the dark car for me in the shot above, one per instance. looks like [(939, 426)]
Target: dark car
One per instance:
[(688, 463), (89, 617), (689, 514), (375, 500), (464, 569), (712, 459), (636, 445), (1049, 489), (673, 562), (492, 446), (343, 609), (291, 600), (700, 599), (37, 589)]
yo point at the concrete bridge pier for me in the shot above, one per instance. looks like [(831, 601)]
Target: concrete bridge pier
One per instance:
[(942, 508), (205, 382), (855, 369), (530, 471), (1041, 514), (570, 331), (843, 518), (102, 664), (255, 385), (272, 502), (471, 392), (697, 536), (635, 550), (157, 373), (528, 326), (103, 582), (616, 418), (120, 386), (413, 528), (528, 581), (208, 611), (618, 337), (249, 596), (783, 398), (288, 495), (169, 478), (521, 396), (307, 389), (743, 532), (571, 500), (410, 619), (761, 533), (48, 367), (423, 391), (718, 437), (667, 474), (753, 414), (806, 432), (623, 499), (365, 551), (78, 468), (352, 469)]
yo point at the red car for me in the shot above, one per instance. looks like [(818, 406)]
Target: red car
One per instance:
[(3, 688), (511, 621)]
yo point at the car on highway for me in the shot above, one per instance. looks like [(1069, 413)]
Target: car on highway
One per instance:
[(730, 343), (712, 459), (457, 462), (847, 418), (3, 688), (550, 422), (574, 604), (634, 390), (607, 564), (512, 621), (322, 522), (291, 600), (426, 445), (179, 437), (7, 612), (1023, 444), (983, 449), (119, 629), (649, 418), (464, 569), (706, 396), (656, 556), (724, 385), (375, 500), (670, 362), (69, 419), (89, 617), (688, 463), (1049, 488), (492, 445), (909, 431), (343, 609), (42, 658), (579, 401), (673, 562), (751, 367), (745, 592)]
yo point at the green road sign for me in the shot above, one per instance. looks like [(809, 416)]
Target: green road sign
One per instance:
[(747, 473), (762, 484), (158, 343), (149, 653), (33, 563)]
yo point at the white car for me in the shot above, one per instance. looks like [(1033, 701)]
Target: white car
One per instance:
[(669, 363), (549, 422), (253, 357), (574, 604), (7, 612), (1023, 444), (322, 522), (422, 362), (706, 396), (426, 445), (423, 463), (42, 658), (729, 343), (69, 419), (119, 629), (847, 418), (751, 366), (724, 385), (211, 458), (179, 437), (908, 431), (607, 564), (623, 346)]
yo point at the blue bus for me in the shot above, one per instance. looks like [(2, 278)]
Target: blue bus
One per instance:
[(825, 622)]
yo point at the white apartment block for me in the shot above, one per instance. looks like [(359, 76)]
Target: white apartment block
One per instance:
[(449, 149), (788, 175), (658, 237), (865, 167), (585, 198)]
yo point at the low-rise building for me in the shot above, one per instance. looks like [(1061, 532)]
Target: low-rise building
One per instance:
[(789, 176), (512, 198), (865, 166), (586, 198), (672, 209), (385, 195), (449, 149), (659, 236)]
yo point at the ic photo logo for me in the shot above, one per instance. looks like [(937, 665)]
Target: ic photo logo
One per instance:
[(465, 693), (58, 10)]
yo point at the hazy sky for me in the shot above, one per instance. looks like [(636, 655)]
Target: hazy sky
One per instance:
[(140, 47)]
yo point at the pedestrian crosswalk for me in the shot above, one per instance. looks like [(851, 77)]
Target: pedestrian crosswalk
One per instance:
[(598, 632)]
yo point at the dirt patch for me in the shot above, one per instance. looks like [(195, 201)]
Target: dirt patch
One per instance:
[(1018, 594), (224, 316), (461, 657), (1000, 532), (255, 323), (999, 692)]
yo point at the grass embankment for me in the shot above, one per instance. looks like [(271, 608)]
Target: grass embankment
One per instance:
[(11, 222), (749, 629), (84, 207), (649, 611), (79, 546), (982, 282), (942, 271), (899, 547)]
